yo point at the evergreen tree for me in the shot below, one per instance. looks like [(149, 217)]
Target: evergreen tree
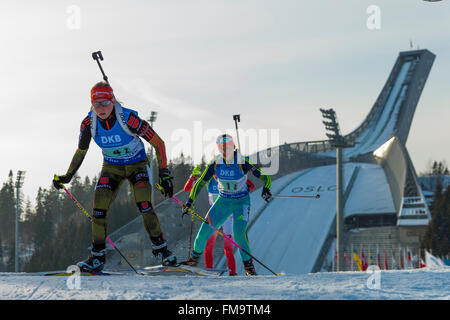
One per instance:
[(10, 264), (437, 235), (7, 210), (7, 218), (436, 168), (181, 168), (26, 234), (2, 266)]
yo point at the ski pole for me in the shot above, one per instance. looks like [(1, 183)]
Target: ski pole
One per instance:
[(190, 235), (90, 219), (192, 212), (317, 196), (97, 56)]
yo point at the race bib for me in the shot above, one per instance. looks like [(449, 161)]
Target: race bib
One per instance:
[(229, 185), (117, 152)]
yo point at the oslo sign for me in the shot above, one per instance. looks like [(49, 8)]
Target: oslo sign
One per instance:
[(313, 189)]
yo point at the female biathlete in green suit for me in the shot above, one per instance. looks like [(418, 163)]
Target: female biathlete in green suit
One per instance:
[(117, 131), (230, 169)]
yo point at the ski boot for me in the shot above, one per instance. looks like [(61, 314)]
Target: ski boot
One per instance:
[(159, 249), (193, 260), (249, 268), (95, 263)]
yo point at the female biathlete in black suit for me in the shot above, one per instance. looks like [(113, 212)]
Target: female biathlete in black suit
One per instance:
[(117, 131)]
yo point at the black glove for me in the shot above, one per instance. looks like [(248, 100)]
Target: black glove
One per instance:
[(266, 195), (165, 180), (61, 179), (185, 209)]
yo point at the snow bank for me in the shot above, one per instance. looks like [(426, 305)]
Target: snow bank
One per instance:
[(396, 284)]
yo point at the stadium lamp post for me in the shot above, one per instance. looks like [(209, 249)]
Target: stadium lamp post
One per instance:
[(152, 119), (339, 143), (19, 183)]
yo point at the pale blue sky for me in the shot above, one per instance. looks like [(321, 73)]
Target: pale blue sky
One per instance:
[(274, 62)]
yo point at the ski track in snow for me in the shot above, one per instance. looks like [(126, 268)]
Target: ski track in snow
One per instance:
[(402, 284)]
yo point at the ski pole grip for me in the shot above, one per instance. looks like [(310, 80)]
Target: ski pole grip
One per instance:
[(56, 178), (97, 55)]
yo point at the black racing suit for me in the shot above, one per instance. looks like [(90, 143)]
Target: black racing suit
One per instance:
[(112, 176)]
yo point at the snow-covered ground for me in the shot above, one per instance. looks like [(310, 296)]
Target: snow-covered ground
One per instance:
[(405, 284)]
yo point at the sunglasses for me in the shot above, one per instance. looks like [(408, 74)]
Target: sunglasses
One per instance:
[(103, 103), (223, 140)]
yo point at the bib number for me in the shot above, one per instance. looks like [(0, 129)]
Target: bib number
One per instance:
[(119, 152), (229, 185)]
